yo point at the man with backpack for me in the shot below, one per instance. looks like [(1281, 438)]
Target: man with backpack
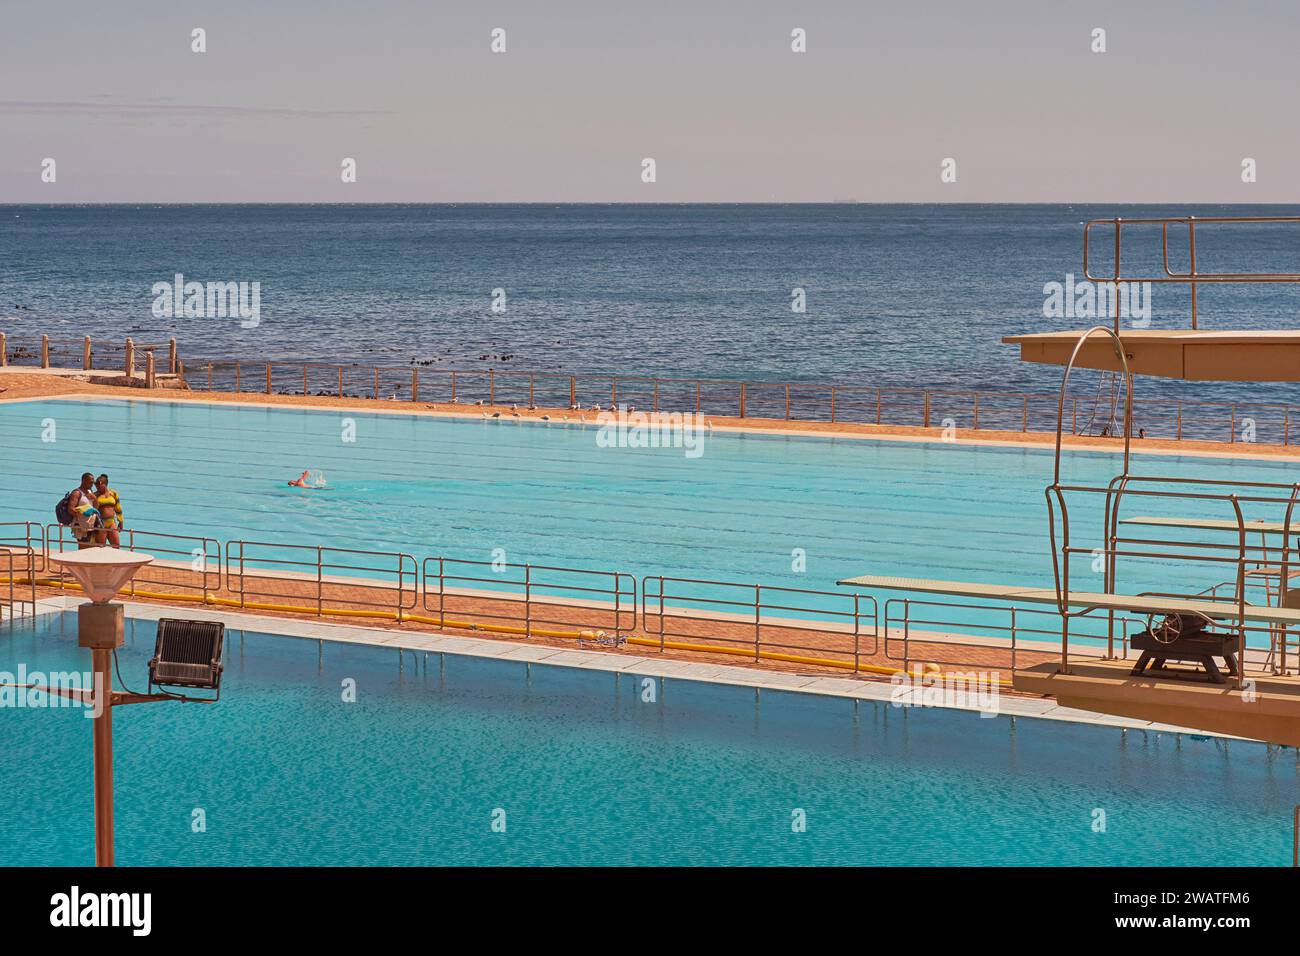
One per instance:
[(77, 510)]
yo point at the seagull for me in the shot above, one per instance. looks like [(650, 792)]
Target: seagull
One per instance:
[(496, 414), (546, 418)]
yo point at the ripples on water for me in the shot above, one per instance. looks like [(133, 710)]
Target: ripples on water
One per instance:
[(897, 295)]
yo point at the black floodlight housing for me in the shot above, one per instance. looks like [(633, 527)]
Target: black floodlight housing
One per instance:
[(188, 654)]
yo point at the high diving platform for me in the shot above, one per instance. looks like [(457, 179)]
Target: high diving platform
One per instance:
[(1190, 354), (1209, 562)]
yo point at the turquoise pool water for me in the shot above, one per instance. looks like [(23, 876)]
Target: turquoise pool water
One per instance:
[(550, 495), (587, 773)]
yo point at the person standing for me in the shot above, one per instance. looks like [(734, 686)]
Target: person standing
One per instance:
[(109, 506)]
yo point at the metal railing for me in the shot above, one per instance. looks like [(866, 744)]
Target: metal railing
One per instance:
[(1222, 551), (1193, 277), (802, 625), (762, 620), (536, 599), (976, 410), (279, 576), (17, 581), (190, 563), (996, 637), (811, 402), (27, 536)]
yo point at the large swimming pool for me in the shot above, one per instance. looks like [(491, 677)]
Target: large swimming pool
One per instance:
[(551, 495), (586, 772)]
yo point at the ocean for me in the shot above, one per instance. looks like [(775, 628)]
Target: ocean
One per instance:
[(894, 295)]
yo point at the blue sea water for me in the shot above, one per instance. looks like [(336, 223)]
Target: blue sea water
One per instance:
[(899, 295), (286, 773)]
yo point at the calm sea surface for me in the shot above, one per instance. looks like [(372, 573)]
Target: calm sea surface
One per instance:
[(896, 295)]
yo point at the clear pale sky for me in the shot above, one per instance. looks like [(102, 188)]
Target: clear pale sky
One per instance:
[(710, 90)]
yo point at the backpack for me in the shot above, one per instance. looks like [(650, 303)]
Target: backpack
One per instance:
[(63, 510)]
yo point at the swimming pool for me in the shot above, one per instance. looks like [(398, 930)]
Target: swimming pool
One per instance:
[(588, 773), (551, 495)]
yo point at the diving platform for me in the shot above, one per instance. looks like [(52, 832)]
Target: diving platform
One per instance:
[(1198, 355), (1083, 600), (1270, 711), (1255, 525), (1266, 707)]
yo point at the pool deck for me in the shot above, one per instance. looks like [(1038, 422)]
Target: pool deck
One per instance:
[(700, 672), (21, 383)]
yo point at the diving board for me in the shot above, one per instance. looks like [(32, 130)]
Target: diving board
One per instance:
[(1191, 354), (1085, 600), (1212, 524)]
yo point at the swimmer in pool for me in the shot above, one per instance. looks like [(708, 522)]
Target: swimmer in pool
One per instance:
[(302, 482)]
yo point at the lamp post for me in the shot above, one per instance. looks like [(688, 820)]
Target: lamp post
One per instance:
[(102, 572)]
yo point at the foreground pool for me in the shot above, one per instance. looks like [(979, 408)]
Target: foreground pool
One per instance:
[(587, 772)]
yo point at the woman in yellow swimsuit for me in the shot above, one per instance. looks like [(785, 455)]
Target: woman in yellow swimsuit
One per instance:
[(109, 506)]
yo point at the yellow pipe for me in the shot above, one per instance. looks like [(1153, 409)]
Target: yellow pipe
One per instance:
[(512, 629)]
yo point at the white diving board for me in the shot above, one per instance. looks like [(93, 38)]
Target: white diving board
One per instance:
[(1079, 599)]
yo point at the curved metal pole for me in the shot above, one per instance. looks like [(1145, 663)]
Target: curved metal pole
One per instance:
[(1065, 382), (1061, 568)]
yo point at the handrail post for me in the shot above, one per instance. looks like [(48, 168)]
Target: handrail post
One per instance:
[(925, 420), (306, 388), (787, 402), (4, 350), (171, 356), (128, 358), (742, 399), (376, 381), (832, 404), (453, 387), (415, 384), (268, 378), (613, 392), (976, 413), (655, 406), (209, 376), (857, 632), (877, 406), (87, 357), (1024, 421), (148, 369), (340, 381), (492, 386), (45, 352), (238, 387), (532, 381), (573, 392), (697, 398)]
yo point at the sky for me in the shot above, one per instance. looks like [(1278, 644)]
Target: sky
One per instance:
[(711, 91)]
